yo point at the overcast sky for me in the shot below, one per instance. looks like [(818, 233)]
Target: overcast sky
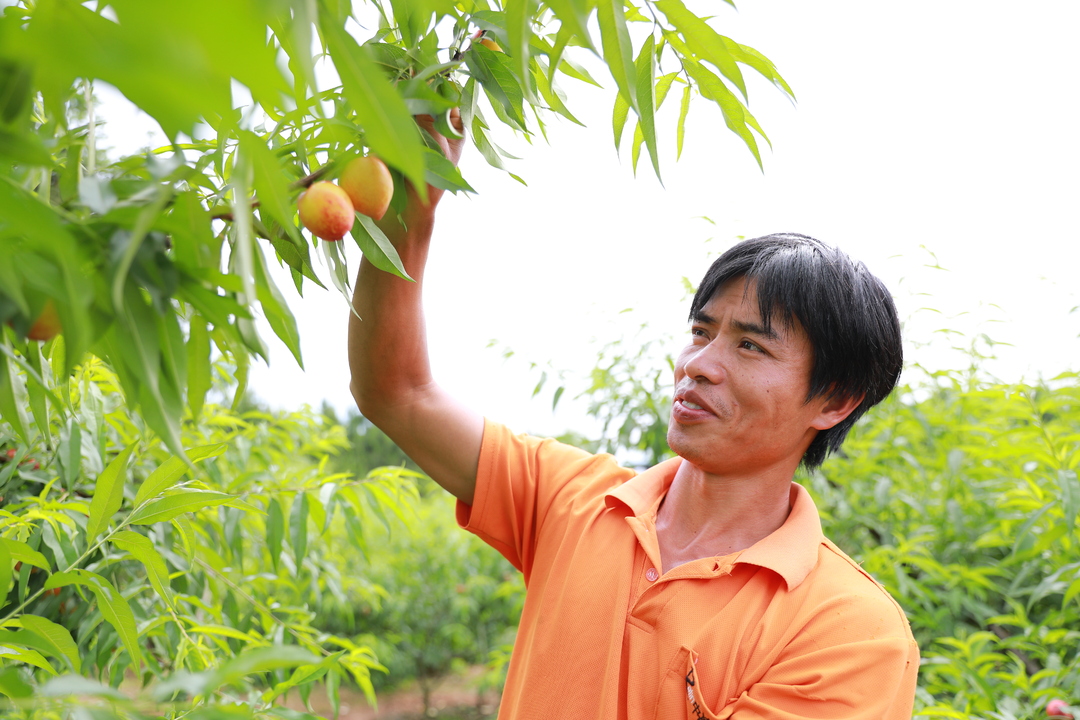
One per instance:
[(935, 141)]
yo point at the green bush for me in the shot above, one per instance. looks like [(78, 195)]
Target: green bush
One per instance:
[(148, 585)]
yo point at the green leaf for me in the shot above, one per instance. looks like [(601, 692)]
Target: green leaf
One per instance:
[(108, 494), (21, 552), (519, 14), (376, 247), (574, 16), (736, 116), (276, 308), (169, 472), (443, 174), (13, 685), (142, 549), (23, 148), (178, 503), (645, 67), (706, 43), (56, 638), (680, 131), (389, 129), (11, 409), (551, 94), (5, 572), (78, 685), (30, 657), (302, 675), (199, 370), (492, 71), (298, 522), (618, 52), (114, 608), (260, 660), (275, 530), (270, 181), (187, 536)]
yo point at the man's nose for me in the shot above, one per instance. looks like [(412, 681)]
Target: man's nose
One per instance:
[(706, 363)]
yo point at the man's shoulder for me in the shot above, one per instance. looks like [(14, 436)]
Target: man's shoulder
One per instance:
[(840, 585)]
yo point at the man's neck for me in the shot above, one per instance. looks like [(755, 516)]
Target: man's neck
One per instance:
[(705, 515)]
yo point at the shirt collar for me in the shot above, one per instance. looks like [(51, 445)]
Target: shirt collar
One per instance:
[(791, 551)]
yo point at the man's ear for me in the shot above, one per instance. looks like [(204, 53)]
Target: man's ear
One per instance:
[(835, 409)]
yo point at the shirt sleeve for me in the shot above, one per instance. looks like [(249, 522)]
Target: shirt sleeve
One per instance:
[(845, 665), (519, 479)]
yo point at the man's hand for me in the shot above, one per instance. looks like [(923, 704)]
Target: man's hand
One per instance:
[(391, 375), (416, 210)]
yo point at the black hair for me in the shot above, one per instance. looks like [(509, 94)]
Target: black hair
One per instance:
[(846, 312)]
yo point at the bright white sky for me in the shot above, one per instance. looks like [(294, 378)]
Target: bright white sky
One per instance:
[(935, 141)]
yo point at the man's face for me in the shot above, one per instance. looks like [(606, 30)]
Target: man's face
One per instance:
[(740, 392)]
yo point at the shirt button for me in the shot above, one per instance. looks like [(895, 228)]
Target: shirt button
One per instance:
[(651, 575)]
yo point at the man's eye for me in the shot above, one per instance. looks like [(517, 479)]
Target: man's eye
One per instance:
[(746, 344)]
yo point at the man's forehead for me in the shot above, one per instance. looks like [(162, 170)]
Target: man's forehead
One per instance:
[(746, 312)]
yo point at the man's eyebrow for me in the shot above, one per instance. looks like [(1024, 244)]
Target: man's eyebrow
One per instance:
[(755, 329), (704, 318)]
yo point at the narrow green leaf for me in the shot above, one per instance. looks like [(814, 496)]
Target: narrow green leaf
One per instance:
[(30, 657), (276, 308), (108, 494), (443, 174), (388, 127), (574, 16), (492, 71), (645, 67), (270, 181), (735, 113), (114, 608), (21, 552), (199, 371), (551, 94), (5, 571), (183, 501), (11, 409), (663, 85), (706, 43), (13, 685), (187, 536), (55, 637), (168, 473), (519, 14), (142, 549), (376, 247), (259, 660), (78, 685), (298, 525), (275, 530), (619, 115), (618, 52), (680, 130)]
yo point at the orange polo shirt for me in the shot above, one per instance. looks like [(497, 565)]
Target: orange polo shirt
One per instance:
[(788, 628)]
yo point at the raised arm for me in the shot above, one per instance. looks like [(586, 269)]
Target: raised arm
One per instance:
[(388, 356)]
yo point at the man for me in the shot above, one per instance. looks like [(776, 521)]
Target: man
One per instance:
[(702, 587)]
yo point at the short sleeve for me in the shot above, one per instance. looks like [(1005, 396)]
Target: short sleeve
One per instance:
[(855, 660), (519, 479)]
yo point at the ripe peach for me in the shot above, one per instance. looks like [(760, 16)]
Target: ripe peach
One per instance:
[(491, 44), (369, 185), (326, 211), (1058, 708), (47, 325)]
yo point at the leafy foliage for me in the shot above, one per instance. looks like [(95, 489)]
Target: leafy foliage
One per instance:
[(154, 262), (136, 578)]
